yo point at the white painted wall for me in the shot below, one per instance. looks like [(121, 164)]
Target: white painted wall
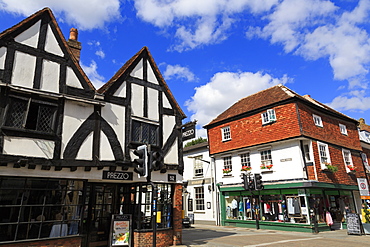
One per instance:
[(138, 70), (168, 125), (24, 70), (71, 79), (151, 76), (153, 104), (85, 152), (115, 116), (283, 168), (121, 91), (74, 115), (2, 57), (137, 100), (172, 156), (29, 37), (166, 102), (50, 76), (28, 147), (51, 43)]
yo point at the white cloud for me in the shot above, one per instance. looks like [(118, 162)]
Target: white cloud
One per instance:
[(86, 14), (197, 22), (178, 72), (92, 73), (224, 89), (353, 101), (100, 53)]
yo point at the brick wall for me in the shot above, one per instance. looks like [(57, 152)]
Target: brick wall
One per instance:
[(336, 157), (249, 131), (165, 237), (330, 132), (70, 242)]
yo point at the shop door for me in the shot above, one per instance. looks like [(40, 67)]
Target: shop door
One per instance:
[(98, 213)]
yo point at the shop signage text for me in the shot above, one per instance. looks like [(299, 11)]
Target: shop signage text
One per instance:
[(117, 175)]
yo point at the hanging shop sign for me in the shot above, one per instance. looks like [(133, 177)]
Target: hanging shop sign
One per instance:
[(121, 230), (188, 132), (117, 175)]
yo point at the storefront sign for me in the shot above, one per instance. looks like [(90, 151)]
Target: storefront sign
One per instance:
[(285, 160), (117, 175), (121, 230), (363, 186), (354, 224), (188, 132)]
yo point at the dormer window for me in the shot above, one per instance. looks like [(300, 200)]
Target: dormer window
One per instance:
[(343, 129), (226, 133), (268, 116), (317, 120)]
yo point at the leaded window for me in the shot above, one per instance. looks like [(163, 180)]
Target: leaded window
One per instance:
[(144, 132), (30, 114)]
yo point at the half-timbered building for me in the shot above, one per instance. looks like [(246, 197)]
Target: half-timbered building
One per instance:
[(66, 149)]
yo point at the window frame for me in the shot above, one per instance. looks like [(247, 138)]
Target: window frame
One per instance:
[(317, 120), (199, 198), (245, 159), (198, 165), (307, 152), (268, 116), (228, 164), (226, 133), (347, 159), (327, 154), (33, 110), (153, 128), (343, 129), (266, 157)]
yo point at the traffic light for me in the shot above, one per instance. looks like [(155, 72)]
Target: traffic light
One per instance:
[(156, 161), (258, 182), (142, 162), (245, 181)]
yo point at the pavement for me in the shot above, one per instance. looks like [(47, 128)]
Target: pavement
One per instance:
[(226, 236)]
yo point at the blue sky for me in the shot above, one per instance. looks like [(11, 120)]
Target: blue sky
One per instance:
[(214, 52)]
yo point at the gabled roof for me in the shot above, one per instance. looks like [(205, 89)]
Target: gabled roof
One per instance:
[(265, 98), (126, 69), (46, 12)]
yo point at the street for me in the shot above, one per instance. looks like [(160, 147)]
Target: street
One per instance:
[(224, 236)]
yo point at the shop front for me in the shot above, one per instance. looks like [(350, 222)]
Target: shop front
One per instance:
[(291, 207), (79, 213)]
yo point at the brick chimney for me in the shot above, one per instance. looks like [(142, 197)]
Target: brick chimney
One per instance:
[(74, 44)]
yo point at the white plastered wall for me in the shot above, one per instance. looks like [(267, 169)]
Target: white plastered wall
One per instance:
[(50, 76), (172, 156), (153, 111), (28, 147), (121, 91), (166, 102), (74, 115), (24, 69), (151, 76), (138, 70), (137, 100), (115, 116), (51, 43), (168, 124), (29, 37), (2, 57), (72, 80), (85, 152)]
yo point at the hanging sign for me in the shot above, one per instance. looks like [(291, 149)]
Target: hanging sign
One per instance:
[(188, 132), (121, 230)]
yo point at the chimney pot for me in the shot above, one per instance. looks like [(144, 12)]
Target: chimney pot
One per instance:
[(73, 34)]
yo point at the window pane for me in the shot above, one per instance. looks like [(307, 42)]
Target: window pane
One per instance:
[(16, 113)]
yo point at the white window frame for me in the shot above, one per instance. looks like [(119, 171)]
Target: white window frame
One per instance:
[(324, 154), (198, 166), (228, 163), (268, 116), (266, 157), (343, 129), (317, 120), (365, 161), (347, 158), (199, 201), (245, 159), (226, 133)]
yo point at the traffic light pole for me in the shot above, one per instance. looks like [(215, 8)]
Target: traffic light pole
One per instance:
[(251, 185)]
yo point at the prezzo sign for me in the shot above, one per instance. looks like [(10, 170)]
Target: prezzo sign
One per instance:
[(188, 132), (117, 175)]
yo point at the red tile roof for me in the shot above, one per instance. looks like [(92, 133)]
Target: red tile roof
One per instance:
[(265, 98)]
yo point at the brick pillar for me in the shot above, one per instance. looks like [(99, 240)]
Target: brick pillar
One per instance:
[(177, 215)]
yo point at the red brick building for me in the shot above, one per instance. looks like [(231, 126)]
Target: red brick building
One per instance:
[(309, 156)]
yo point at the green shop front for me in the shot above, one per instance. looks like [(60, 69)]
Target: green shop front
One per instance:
[(307, 206)]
